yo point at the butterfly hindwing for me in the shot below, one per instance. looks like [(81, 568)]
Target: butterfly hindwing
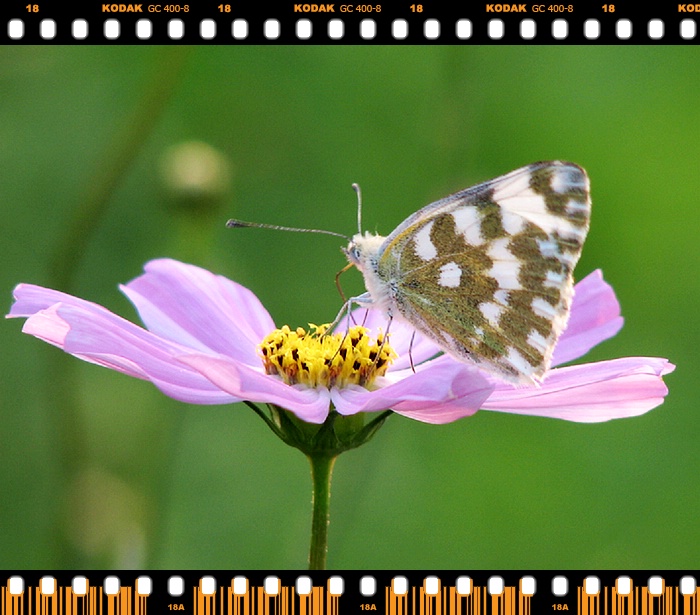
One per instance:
[(487, 272)]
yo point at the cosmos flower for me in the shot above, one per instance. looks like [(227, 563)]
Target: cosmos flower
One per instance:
[(204, 337)]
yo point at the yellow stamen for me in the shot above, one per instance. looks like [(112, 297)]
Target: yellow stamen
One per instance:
[(315, 358)]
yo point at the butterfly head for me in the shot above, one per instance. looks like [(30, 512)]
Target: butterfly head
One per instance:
[(363, 251)]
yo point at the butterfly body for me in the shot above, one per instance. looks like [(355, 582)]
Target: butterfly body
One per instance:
[(486, 273)]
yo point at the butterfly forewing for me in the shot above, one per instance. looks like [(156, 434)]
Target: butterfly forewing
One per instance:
[(487, 272)]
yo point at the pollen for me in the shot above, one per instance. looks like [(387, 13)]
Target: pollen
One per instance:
[(316, 358)]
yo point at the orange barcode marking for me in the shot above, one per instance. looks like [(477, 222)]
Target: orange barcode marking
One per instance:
[(12, 604), (448, 601), (588, 604), (691, 603), (256, 601), (64, 601), (638, 601)]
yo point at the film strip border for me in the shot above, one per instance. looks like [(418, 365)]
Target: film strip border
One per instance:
[(350, 593), (226, 22)]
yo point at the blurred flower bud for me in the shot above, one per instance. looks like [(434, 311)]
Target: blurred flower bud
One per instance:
[(196, 175)]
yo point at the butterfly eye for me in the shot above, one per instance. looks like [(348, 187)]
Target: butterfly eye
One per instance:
[(353, 253)]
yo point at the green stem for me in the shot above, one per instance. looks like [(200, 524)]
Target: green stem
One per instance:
[(321, 444), (321, 472)]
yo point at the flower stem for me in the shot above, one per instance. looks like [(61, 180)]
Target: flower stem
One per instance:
[(321, 472)]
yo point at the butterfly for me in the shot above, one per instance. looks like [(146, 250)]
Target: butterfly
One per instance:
[(486, 273)]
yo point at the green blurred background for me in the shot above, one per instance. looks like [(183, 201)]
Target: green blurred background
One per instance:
[(98, 470)]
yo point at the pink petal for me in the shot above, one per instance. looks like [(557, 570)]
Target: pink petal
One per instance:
[(595, 317), (202, 310), (94, 334), (48, 326), (310, 405), (590, 393), (439, 392), (29, 299)]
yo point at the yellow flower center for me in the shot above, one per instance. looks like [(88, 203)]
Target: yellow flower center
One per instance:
[(315, 358)]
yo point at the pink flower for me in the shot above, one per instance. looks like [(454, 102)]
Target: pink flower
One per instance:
[(203, 330)]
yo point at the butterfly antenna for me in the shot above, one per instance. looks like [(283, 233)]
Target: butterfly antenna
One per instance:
[(241, 224), (356, 188)]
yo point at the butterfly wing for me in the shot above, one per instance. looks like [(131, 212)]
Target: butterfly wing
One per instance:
[(487, 273)]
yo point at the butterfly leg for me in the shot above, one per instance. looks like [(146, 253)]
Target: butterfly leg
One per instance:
[(363, 300), (410, 356), (385, 337), (345, 310)]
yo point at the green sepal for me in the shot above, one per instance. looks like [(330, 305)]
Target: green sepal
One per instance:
[(335, 435)]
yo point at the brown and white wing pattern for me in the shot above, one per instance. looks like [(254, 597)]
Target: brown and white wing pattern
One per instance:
[(487, 273)]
